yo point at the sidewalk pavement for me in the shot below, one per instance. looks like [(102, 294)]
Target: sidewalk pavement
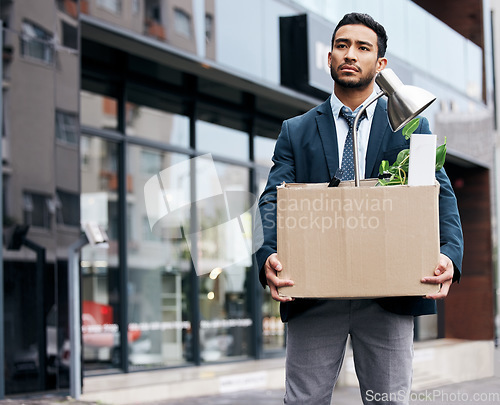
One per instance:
[(480, 392)]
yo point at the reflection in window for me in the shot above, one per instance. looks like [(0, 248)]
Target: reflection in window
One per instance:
[(150, 162), (221, 140), (159, 262), (223, 264), (66, 127), (157, 125), (273, 329), (100, 266), (263, 150), (182, 23), (36, 42), (147, 235), (98, 111)]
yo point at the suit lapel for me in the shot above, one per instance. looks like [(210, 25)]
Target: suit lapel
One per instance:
[(328, 135), (380, 126)]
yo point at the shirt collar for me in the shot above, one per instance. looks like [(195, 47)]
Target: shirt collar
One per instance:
[(336, 105)]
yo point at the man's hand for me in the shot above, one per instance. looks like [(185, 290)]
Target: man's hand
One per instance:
[(272, 267), (443, 275)]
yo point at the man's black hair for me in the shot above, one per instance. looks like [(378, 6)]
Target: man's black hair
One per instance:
[(368, 21)]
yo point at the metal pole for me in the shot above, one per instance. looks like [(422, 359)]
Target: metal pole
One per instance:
[(40, 303), (75, 369), (2, 342), (122, 237)]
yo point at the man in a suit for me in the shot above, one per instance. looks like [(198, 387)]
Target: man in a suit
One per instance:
[(310, 149)]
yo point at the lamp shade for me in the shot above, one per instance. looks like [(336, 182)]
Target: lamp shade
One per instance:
[(403, 102)]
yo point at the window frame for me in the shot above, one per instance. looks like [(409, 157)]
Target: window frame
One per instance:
[(40, 37)]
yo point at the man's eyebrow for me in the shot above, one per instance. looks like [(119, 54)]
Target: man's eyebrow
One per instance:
[(358, 42), (367, 43), (342, 40)]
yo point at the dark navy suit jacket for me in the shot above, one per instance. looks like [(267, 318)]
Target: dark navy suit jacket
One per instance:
[(306, 151)]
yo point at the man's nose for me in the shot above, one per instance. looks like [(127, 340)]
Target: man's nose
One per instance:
[(350, 54)]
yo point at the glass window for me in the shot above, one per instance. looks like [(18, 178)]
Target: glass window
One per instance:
[(159, 263), (69, 7), (98, 111), (273, 329), (263, 153), (263, 150), (3, 108), (153, 10), (209, 27), (114, 6), (85, 153), (67, 127), (100, 266), (182, 23), (38, 210), (151, 161), (223, 262), (69, 35), (157, 125), (136, 6), (68, 208), (222, 141), (36, 42)]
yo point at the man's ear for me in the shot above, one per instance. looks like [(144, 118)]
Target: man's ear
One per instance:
[(329, 59), (381, 64)]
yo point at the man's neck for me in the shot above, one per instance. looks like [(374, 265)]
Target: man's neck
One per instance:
[(352, 97)]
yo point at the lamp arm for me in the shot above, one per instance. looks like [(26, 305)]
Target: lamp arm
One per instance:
[(355, 153)]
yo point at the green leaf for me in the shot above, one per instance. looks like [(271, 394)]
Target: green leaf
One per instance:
[(402, 155), (410, 128), (440, 155), (384, 166), (390, 181)]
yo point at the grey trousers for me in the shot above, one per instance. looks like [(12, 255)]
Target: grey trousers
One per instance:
[(382, 344)]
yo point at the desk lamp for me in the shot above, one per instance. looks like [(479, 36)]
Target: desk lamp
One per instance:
[(403, 104)]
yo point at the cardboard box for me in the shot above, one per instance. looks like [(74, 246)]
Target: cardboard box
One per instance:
[(358, 242)]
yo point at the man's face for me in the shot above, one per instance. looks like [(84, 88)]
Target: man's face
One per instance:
[(353, 60)]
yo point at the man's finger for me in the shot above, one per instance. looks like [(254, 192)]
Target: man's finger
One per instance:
[(276, 296), (275, 263), (436, 279), (443, 292), (273, 278), (273, 266), (441, 276)]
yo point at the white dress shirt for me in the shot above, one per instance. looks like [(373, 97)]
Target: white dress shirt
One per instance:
[(343, 128)]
